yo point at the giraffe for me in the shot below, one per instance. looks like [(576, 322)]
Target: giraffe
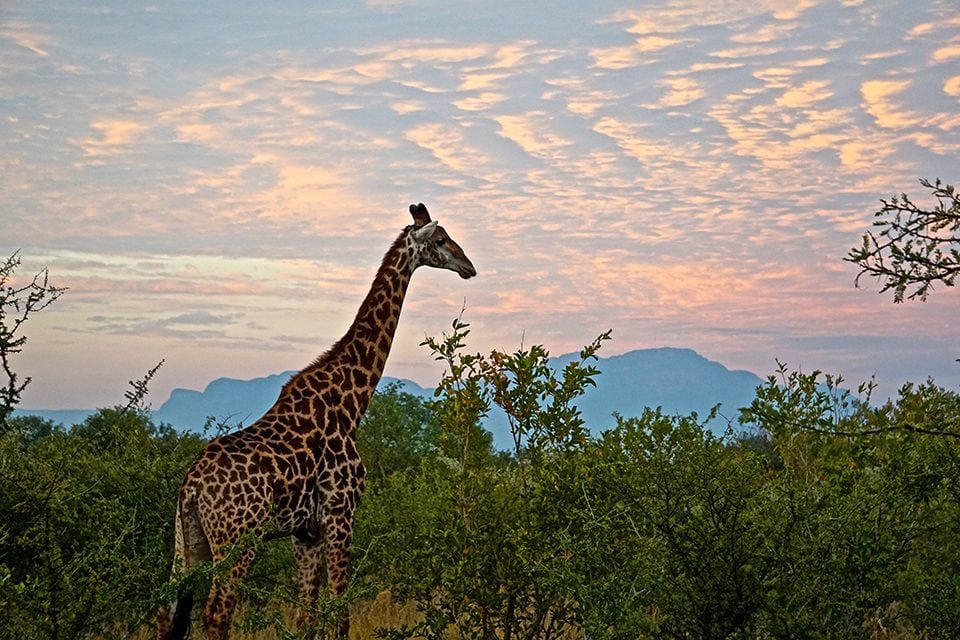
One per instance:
[(296, 469)]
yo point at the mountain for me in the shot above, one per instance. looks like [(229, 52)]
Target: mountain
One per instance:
[(225, 399), (679, 381)]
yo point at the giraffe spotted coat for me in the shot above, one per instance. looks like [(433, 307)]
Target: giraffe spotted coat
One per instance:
[(296, 471)]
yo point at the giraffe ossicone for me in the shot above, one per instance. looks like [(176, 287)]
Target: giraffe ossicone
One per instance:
[(296, 469)]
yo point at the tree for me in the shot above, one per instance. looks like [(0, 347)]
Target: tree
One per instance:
[(396, 433), (17, 303), (86, 518), (83, 540), (480, 542), (914, 247)]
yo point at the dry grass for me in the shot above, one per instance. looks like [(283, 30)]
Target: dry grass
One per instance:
[(365, 619), (380, 612)]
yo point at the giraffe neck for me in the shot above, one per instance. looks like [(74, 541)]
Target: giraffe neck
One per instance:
[(362, 352)]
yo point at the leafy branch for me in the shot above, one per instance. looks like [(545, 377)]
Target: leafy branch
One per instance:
[(913, 247), (818, 403)]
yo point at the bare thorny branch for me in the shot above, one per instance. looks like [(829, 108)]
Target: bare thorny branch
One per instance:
[(17, 303), (907, 427), (914, 247), (139, 390)]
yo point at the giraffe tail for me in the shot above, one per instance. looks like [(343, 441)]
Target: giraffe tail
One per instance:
[(190, 547), (176, 623)]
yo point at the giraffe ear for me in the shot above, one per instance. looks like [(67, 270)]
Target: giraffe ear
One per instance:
[(422, 233), (420, 214)]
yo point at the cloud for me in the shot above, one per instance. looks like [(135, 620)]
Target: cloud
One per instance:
[(483, 101), (473, 80), (926, 29), (806, 95), (616, 57), (587, 103), (877, 101), (531, 133), (754, 51), (789, 9), (113, 136), (449, 145), (25, 37), (682, 16), (765, 33), (631, 55), (437, 53), (775, 77), (627, 136), (682, 91), (951, 86), (204, 317), (881, 55), (946, 53), (510, 55), (199, 133), (404, 107)]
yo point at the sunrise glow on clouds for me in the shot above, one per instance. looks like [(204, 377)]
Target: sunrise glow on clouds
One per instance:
[(216, 183)]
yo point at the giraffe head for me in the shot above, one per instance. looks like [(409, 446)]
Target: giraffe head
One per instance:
[(433, 246)]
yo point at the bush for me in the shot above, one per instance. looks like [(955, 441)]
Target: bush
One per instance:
[(827, 517), (86, 522)]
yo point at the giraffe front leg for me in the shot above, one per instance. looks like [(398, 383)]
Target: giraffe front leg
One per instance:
[(309, 554), (338, 561), (338, 533)]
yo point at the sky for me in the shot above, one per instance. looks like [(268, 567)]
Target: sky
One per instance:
[(216, 182)]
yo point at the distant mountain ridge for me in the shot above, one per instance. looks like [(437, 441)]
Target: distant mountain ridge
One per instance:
[(679, 381), (228, 399)]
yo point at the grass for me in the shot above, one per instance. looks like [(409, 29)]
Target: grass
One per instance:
[(365, 619)]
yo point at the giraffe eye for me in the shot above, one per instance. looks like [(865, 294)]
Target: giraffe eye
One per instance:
[(440, 241)]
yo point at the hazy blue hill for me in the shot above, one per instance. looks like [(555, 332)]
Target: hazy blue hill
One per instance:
[(677, 380), (227, 399)]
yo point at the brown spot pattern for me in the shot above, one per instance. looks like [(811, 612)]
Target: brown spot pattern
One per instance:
[(297, 469)]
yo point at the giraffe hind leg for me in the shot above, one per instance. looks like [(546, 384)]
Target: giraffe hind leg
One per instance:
[(218, 614)]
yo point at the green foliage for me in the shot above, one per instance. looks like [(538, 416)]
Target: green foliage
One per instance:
[(463, 400), (86, 522), (469, 537), (828, 517), (866, 503), (395, 435), (693, 506)]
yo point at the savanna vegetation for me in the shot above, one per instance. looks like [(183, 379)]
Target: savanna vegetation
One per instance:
[(817, 513)]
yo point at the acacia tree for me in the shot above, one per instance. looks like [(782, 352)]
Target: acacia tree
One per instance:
[(17, 303), (913, 247)]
